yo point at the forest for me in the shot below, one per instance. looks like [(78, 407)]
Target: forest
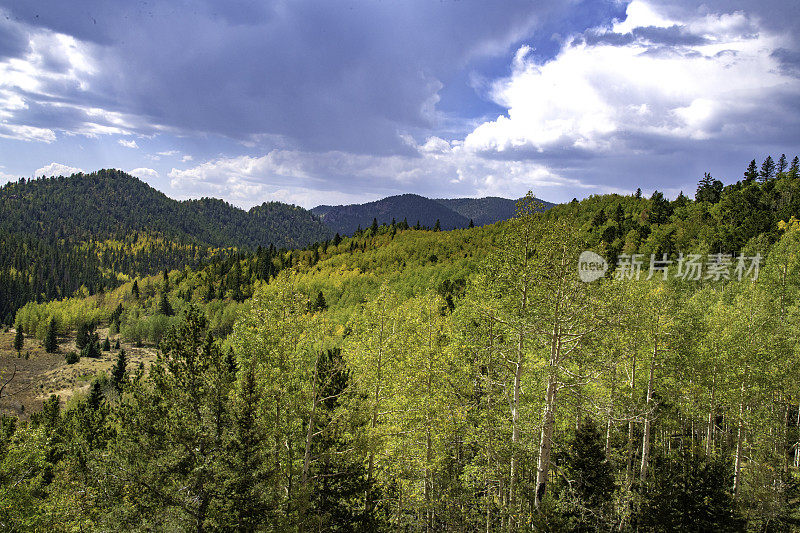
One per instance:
[(410, 379)]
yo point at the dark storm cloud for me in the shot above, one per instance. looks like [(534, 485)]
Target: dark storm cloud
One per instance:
[(326, 75), (13, 41)]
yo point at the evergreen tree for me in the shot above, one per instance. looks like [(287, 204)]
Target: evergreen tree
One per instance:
[(767, 169), (591, 478), (106, 345), (782, 164), (91, 350), (19, 339), (95, 397), (83, 335), (116, 345), (51, 337), (437, 226), (471, 223), (708, 189), (660, 209), (794, 169), (135, 289), (751, 174), (374, 226), (689, 492), (320, 304), (164, 307), (337, 240), (118, 371)]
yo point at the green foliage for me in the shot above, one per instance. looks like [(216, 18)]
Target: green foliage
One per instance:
[(689, 492), (51, 338), (589, 485), (357, 384), (72, 357), (19, 339), (118, 371)]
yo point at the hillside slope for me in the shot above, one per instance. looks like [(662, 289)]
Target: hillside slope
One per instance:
[(346, 219), (111, 203)]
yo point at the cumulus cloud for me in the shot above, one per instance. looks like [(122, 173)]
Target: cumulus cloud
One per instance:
[(144, 173), (128, 144), (56, 169), (705, 78)]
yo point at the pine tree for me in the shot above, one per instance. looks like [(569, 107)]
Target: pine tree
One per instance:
[(19, 339), (592, 479), (51, 337), (794, 169), (751, 174), (437, 226), (471, 223), (106, 345), (708, 189), (637, 195), (118, 370), (782, 164), (767, 169), (135, 289), (91, 350), (116, 345), (374, 227), (320, 304), (95, 397), (337, 240), (83, 335), (164, 307)]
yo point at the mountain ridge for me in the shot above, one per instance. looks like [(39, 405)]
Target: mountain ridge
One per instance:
[(451, 213)]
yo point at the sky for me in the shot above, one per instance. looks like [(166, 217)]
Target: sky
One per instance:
[(337, 102)]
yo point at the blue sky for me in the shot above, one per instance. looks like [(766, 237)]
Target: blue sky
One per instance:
[(313, 102)]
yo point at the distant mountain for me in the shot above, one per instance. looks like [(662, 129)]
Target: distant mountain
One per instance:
[(345, 219), (454, 213), (111, 203), (483, 211)]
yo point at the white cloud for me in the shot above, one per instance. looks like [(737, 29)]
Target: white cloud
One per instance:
[(168, 153), (596, 97), (144, 173), (128, 144), (56, 169), (439, 169), (186, 158), (50, 81), (26, 133)]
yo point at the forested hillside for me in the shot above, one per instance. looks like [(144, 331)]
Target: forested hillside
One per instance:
[(95, 230), (420, 380), (110, 203)]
